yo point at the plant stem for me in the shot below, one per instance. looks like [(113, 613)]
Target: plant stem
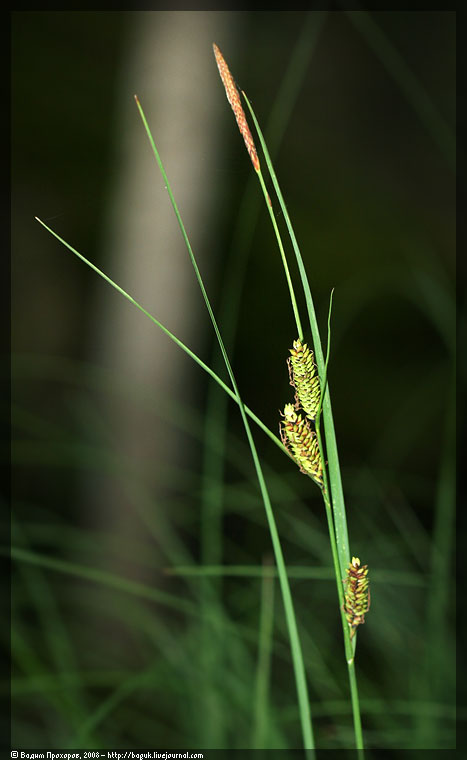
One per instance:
[(215, 418), (297, 657), (263, 670), (172, 337), (282, 252), (337, 493), (349, 646), (336, 517), (296, 651)]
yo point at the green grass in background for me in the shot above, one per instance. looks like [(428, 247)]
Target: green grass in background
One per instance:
[(101, 659)]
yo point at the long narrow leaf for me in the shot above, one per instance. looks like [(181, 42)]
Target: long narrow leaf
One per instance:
[(296, 650)]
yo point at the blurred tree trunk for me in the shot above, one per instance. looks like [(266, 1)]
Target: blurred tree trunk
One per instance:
[(171, 67)]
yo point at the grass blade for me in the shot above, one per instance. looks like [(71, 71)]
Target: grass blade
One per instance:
[(215, 425), (172, 337), (336, 516), (337, 492), (296, 650), (263, 670)]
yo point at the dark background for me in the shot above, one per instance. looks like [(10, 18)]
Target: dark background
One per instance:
[(366, 165)]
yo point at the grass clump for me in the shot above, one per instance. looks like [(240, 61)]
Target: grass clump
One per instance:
[(282, 644)]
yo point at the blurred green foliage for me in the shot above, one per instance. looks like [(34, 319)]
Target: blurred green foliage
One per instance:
[(107, 637)]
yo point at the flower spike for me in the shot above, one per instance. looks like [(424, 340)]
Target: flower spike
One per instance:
[(302, 443), (304, 378), (357, 594), (234, 99)]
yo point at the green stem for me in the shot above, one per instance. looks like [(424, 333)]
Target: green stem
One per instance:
[(349, 645), (325, 379), (337, 493), (170, 335), (297, 656), (296, 651), (263, 670), (215, 418), (283, 256), (337, 522)]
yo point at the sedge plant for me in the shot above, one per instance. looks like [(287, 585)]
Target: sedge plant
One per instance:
[(312, 395), (296, 651), (214, 494), (300, 427)]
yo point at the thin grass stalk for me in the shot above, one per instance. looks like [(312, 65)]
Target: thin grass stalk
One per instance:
[(122, 585), (296, 651), (241, 242), (337, 522), (263, 670), (349, 644), (195, 358), (234, 99), (215, 419), (282, 253), (95, 575), (55, 635), (338, 526), (386, 577), (250, 204), (170, 335), (337, 493)]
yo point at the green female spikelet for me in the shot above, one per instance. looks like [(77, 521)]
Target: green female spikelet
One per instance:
[(302, 443), (304, 378), (357, 594)]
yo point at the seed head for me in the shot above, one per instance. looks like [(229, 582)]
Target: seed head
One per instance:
[(302, 443), (304, 378), (234, 99), (357, 594)]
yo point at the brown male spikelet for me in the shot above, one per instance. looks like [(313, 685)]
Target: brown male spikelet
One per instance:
[(234, 99)]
